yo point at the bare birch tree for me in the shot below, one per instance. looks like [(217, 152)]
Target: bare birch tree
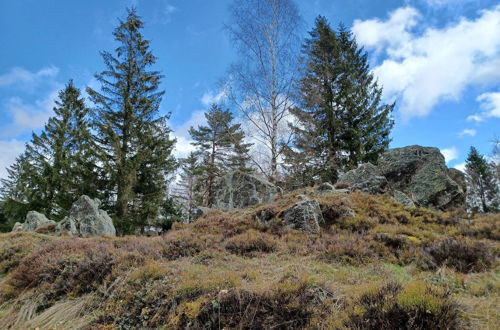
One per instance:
[(266, 36)]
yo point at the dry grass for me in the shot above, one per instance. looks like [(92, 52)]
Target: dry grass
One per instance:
[(229, 270)]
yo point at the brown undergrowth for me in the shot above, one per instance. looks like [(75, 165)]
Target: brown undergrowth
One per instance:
[(375, 265)]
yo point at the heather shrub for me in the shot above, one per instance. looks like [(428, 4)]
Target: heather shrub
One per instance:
[(351, 249), (416, 306), (341, 185), (463, 254), (251, 242), (483, 227), (15, 246), (288, 306), (64, 267)]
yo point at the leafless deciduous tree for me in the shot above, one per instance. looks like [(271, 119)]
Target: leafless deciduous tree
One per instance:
[(266, 35)]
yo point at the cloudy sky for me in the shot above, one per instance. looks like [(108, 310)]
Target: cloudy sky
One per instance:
[(438, 59)]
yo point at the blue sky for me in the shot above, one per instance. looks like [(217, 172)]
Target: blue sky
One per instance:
[(438, 59)]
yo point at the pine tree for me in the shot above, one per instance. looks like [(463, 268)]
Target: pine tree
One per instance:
[(134, 143), (218, 146), (58, 164), (341, 120), (482, 188)]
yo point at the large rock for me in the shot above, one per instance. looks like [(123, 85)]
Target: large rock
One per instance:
[(86, 219), (239, 190), (365, 178), (34, 220), (305, 216), (421, 173)]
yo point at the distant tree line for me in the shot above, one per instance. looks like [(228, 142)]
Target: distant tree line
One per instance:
[(311, 113)]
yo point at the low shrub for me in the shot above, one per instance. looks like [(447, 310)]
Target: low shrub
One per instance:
[(65, 267), (286, 307), (341, 185), (463, 254), (416, 306), (351, 249), (251, 242)]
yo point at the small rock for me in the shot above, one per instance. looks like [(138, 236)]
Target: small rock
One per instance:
[(18, 227), (365, 178), (402, 198), (34, 220), (305, 216), (238, 190)]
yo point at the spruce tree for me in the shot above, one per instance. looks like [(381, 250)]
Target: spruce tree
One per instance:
[(134, 140), (341, 119), (58, 164), (482, 187), (220, 148)]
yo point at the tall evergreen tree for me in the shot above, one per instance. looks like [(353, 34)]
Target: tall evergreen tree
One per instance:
[(134, 143), (483, 193), (341, 119), (58, 164), (221, 148)]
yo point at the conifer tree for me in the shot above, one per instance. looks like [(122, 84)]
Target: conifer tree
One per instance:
[(134, 143), (482, 187), (220, 147), (58, 164), (341, 119)]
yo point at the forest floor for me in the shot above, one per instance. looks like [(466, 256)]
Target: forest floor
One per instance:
[(388, 267)]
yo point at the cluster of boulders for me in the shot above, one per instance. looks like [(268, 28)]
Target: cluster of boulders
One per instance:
[(238, 190), (85, 219), (414, 176)]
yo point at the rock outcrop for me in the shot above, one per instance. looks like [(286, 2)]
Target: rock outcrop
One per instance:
[(86, 219), (239, 190), (421, 173), (412, 175), (305, 216), (328, 189), (365, 178), (34, 221), (401, 197)]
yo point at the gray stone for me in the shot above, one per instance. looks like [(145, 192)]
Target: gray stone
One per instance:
[(302, 197), (328, 189), (199, 211), (18, 227), (365, 178), (87, 220), (34, 220), (239, 190), (326, 186), (420, 172), (67, 226), (401, 197), (305, 216)]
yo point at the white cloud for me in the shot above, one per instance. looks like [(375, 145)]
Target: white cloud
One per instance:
[(440, 3), (468, 131), (183, 146), (9, 149), (490, 104), (210, 97), (460, 167), (450, 154), (26, 78), (423, 69), (28, 116)]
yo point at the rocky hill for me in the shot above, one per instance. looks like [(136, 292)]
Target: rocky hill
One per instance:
[(321, 258)]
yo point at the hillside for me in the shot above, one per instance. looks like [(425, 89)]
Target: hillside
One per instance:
[(386, 267)]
